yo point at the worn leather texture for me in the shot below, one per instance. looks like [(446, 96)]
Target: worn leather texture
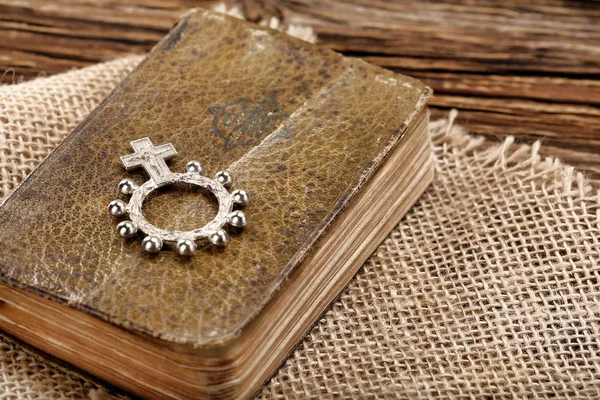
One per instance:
[(315, 127)]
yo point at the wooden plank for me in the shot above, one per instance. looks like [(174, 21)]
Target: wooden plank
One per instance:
[(45, 37)]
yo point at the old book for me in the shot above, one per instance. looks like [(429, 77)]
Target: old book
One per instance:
[(332, 151)]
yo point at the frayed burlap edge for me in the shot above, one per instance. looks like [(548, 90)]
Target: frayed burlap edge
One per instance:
[(550, 172)]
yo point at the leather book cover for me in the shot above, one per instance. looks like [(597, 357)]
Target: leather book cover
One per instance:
[(301, 129)]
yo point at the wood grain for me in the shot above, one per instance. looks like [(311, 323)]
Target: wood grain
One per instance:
[(511, 68)]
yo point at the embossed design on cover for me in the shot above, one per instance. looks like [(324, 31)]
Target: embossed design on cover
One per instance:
[(246, 122)]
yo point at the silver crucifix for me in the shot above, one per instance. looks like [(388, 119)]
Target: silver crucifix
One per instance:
[(152, 159)]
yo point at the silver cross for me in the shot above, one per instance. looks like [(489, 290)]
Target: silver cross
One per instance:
[(151, 158)]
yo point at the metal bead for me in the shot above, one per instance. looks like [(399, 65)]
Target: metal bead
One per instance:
[(127, 229), (194, 166), (126, 186), (240, 197), (238, 219), (218, 237), (225, 178), (117, 208), (152, 244), (186, 247)]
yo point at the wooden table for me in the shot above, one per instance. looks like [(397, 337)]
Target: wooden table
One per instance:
[(529, 69)]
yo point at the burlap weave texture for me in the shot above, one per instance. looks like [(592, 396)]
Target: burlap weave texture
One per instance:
[(487, 288)]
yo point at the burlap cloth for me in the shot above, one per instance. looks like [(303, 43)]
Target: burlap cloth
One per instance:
[(487, 288)]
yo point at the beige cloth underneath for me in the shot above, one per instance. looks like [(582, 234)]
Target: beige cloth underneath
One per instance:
[(488, 287)]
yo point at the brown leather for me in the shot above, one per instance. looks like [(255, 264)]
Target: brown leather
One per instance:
[(333, 119)]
